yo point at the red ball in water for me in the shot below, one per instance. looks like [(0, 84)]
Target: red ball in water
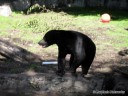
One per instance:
[(105, 18)]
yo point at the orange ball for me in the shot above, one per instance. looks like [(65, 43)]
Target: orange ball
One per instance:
[(105, 18)]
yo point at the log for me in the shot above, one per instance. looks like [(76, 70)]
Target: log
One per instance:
[(17, 53)]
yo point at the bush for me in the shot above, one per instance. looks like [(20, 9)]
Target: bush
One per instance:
[(36, 8)]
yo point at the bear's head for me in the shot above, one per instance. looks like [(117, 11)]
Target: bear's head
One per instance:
[(48, 39)]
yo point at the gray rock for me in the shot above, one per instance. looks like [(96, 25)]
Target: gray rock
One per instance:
[(5, 10), (21, 4)]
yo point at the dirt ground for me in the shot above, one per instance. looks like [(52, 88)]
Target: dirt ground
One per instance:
[(19, 79)]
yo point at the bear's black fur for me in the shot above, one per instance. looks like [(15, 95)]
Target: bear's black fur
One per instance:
[(80, 46)]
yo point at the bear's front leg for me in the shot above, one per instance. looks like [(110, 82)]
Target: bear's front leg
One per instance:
[(61, 63), (61, 66)]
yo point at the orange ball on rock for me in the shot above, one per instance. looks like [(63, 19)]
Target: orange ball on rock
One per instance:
[(105, 18)]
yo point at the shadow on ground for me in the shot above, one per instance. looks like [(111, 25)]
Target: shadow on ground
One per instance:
[(34, 79), (115, 14)]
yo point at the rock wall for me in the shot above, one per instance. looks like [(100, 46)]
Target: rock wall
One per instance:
[(112, 4), (21, 4), (25, 4), (16, 4)]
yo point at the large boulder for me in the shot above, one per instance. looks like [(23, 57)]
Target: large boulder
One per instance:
[(5, 10)]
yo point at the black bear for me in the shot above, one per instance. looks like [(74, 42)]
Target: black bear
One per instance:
[(80, 46)]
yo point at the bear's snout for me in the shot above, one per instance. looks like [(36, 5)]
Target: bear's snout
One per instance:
[(43, 43)]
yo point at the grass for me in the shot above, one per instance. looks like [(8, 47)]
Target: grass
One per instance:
[(31, 28)]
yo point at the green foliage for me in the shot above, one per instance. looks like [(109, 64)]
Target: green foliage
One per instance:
[(36, 8), (33, 24), (33, 27)]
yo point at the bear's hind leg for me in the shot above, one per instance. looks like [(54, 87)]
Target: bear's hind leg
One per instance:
[(75, 64), (87, 63)]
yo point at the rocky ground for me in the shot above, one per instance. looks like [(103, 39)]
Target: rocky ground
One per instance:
[(109, 71), (18, 79)]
